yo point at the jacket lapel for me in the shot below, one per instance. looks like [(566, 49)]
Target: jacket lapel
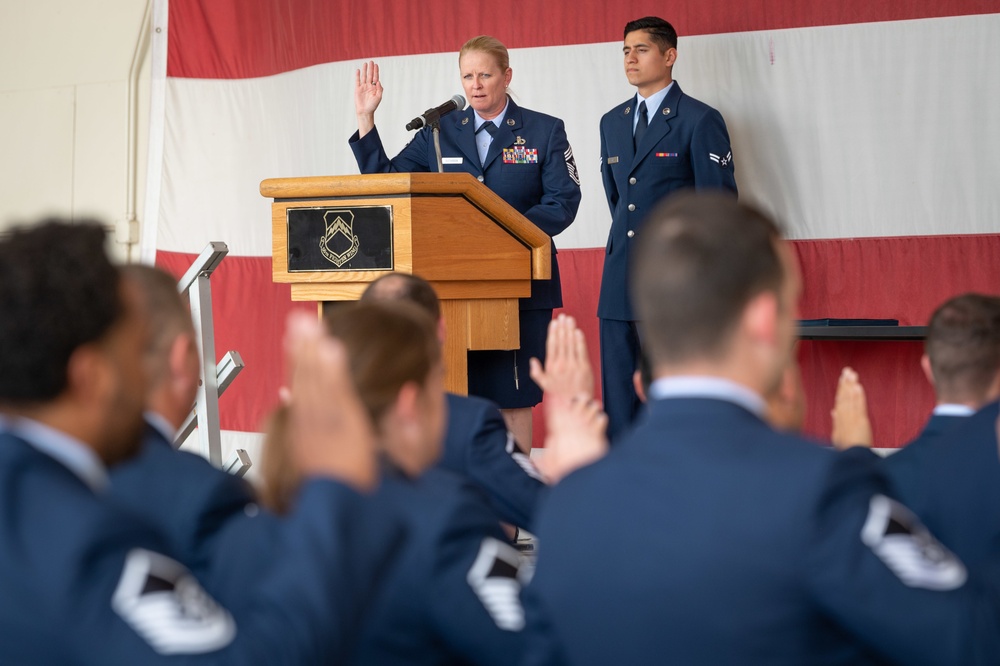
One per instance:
[(465, 138), (504, 138), (659, 124), (623, 130)]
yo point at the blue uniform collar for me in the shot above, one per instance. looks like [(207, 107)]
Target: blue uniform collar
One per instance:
[(653, 103), (163, 427), (716, 388), (73, 454), (479, 122)]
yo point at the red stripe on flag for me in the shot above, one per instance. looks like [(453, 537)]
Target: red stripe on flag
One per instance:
[(248, 311), (233, 39), (899, 278)]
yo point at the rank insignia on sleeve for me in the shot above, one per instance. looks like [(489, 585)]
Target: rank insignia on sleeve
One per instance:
[(721, 161), (571, 165), (495, 578), (163, 603), (520, 155), (910, 551)]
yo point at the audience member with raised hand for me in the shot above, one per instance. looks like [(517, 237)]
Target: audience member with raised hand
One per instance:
[(961, 361), (87, 582), (182, 494), (453, 593), (733, 542), (950, 474), (851, 425), (478, 445)]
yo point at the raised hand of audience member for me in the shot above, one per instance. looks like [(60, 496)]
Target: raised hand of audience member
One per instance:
[(576, 436), (851, 426), (576, 427), (329, 432), (567, 370)]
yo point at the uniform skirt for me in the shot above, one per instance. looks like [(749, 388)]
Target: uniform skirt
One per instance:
[(503, 376)]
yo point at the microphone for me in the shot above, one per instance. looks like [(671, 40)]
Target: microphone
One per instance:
[(430, 115)]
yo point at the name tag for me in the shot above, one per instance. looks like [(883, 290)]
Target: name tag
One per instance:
[(451, 160), (613, 160)]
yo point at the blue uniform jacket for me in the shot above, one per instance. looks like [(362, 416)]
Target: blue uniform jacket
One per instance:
[(85, 582), (953, 483), (183, 495), (937, 426), (731, 543), (544, 187), (453, 595), (478, 447), (686, 145)]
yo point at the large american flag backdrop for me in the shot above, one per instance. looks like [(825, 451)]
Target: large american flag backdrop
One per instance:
[(868, 129)]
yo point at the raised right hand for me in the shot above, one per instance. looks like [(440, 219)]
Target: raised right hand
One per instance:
[(367, 95)]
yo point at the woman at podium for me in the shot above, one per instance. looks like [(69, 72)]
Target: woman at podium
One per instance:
[(525, 158)]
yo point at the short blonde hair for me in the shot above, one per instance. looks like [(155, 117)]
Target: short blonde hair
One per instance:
[(489, 45)]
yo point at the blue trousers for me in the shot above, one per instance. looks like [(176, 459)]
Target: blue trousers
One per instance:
[(620, 350)]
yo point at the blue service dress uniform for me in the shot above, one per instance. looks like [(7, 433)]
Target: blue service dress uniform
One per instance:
[(685, 145), (937, 426), (84, 582), (453, 595), (530, 165), (952, 482), (183, 495), (736, 544), (478, 447)]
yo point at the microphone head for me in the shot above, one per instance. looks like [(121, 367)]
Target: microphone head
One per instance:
[(459, 102)]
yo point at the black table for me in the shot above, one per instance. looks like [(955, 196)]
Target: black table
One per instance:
[(862, 332)]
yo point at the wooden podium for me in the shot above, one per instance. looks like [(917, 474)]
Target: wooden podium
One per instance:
[(329, 235)]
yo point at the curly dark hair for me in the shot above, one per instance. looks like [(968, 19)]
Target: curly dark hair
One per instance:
[(58, 291)]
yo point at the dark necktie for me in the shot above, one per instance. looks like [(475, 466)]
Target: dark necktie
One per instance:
[(491, 129), (640, 125)]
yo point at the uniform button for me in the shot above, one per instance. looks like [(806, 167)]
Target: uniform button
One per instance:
[(631, 206), (631, 233), (631, 181), (480, 178)]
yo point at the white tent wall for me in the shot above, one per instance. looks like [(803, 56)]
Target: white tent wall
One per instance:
[(64, 69)]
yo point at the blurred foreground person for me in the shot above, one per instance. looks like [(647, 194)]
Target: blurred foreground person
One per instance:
[(734, 543), (181, 493), (453, 595), (961, 361), (84, 582), (950, 474), (210, 519), (477, 443)]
